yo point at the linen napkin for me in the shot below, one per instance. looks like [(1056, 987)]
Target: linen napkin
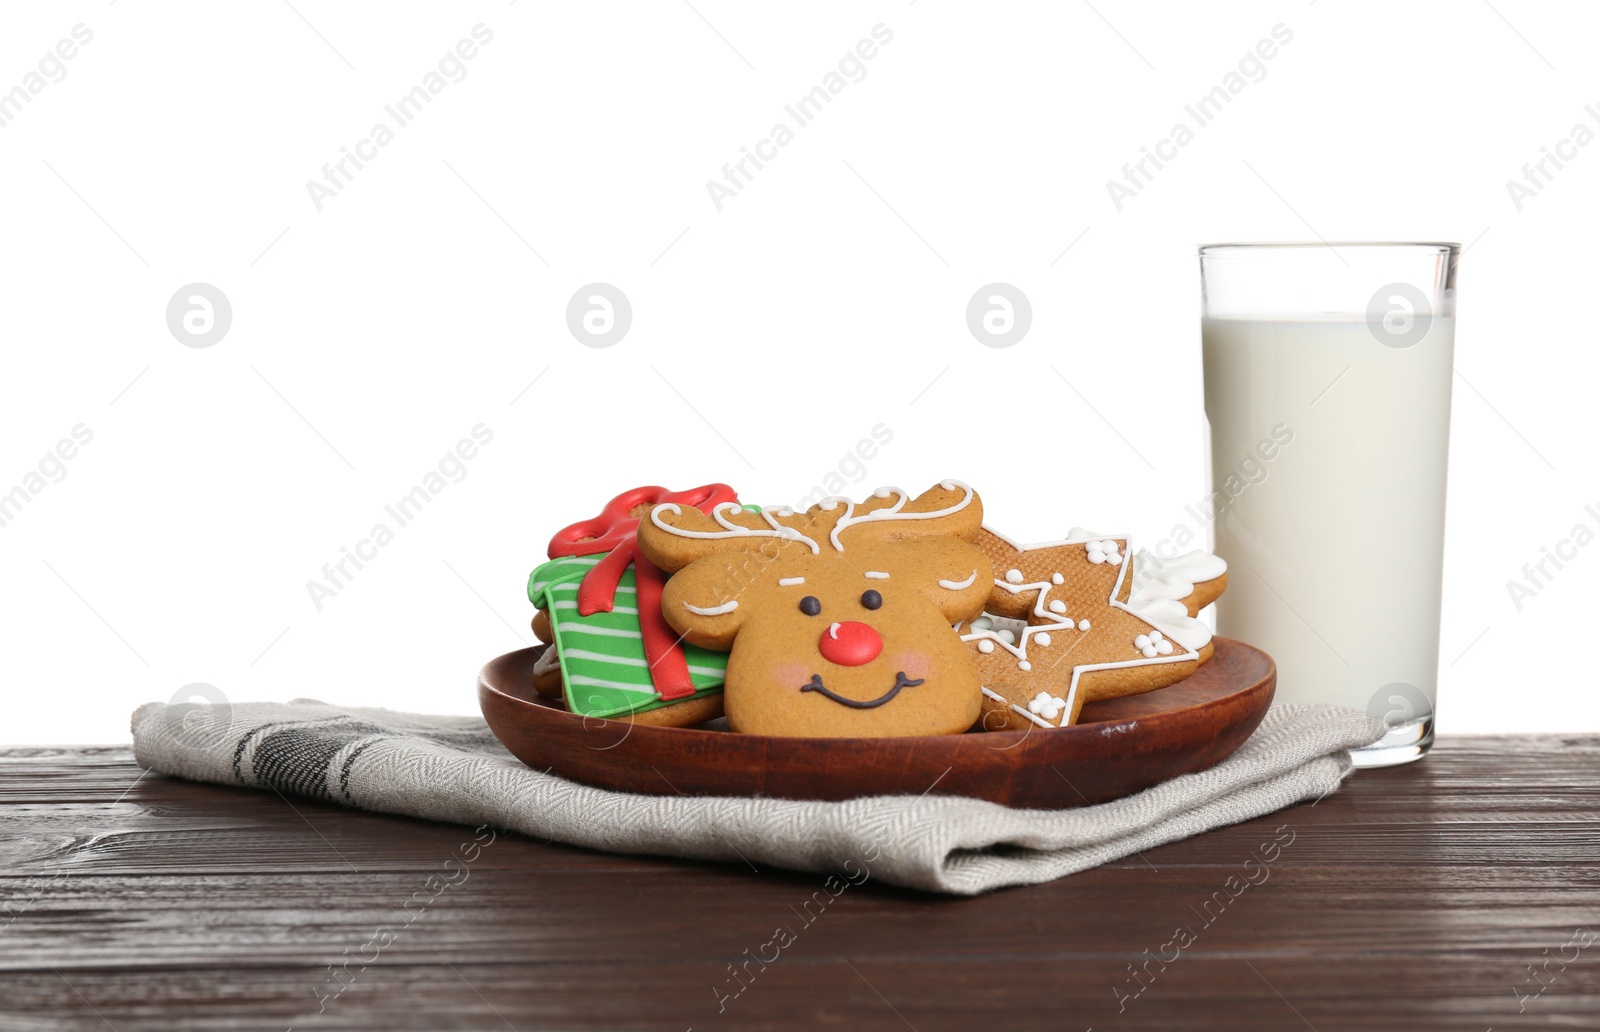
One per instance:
[(450, 768)]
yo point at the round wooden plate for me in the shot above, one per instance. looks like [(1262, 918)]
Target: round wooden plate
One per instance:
[(1120, 746)]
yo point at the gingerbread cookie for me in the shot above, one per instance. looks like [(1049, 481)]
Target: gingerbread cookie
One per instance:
[(546, 670), (1194, 580), (837, 621), (611, 654), (1072, 621)]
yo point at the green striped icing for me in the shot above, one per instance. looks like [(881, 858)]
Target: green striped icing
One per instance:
[(558, 571), (603, 664)]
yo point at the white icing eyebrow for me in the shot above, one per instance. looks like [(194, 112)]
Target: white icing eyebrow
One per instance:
[(959, 585), (726, 607), (875, 575), (785, 582)]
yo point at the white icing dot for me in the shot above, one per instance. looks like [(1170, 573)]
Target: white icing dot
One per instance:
[(1149, 652), (1014, 576), (1056, 578), (1103, 551), (1042, 638), (1008, 637), (1142, 641), (983, 623), (1024, 665), (830, 505), (1083, 625), (985, 646), (882, 492), (1155, 635), (1058, 607), (1046, 705), (1164, 647)]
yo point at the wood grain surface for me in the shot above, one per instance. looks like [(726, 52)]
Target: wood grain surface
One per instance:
[(1120, 746), (1449, 894)]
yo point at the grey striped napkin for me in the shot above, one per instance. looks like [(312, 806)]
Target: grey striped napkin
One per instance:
[(454, 769)]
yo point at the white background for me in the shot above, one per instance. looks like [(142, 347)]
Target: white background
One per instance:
[(768, 337)]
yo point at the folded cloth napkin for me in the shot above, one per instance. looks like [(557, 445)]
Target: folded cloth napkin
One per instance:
[(454, 769)]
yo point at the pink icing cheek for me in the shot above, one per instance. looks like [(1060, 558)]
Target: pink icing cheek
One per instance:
[(789, 675), (914, 664)]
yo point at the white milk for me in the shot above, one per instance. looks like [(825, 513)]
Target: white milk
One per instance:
[(1335, 542)]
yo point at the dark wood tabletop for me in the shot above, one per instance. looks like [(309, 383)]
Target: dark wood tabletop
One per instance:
[(1461, 892)]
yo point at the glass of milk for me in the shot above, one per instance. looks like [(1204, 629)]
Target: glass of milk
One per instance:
[(1327, 383)]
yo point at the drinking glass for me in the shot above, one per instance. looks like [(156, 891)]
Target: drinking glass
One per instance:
[(1327, 388)]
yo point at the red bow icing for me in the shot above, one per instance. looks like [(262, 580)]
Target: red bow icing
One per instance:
[(614, 531)]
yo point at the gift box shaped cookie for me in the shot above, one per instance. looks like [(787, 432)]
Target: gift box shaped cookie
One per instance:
[(612, 655)]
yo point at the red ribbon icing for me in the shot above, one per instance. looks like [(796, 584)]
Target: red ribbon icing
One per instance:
[(614, 531)]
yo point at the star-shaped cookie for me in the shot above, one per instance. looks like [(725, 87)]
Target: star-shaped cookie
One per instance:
[(1080, 619)]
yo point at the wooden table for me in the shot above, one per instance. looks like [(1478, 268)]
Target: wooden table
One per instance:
[(1459, 893)]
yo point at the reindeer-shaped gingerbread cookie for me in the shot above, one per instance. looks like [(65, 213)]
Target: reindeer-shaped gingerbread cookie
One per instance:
[(838, 620)]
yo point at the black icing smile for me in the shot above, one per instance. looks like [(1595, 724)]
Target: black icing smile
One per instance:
[(900, 681)]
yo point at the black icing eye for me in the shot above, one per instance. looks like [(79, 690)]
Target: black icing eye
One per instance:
[(810, 606), (871, 599)]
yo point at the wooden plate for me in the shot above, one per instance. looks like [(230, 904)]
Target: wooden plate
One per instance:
[(1120, 746)]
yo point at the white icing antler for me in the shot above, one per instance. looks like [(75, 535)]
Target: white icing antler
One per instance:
[(730, 529), (893, 512)]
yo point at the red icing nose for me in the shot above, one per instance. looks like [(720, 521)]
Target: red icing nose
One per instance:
[(850, 643)]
